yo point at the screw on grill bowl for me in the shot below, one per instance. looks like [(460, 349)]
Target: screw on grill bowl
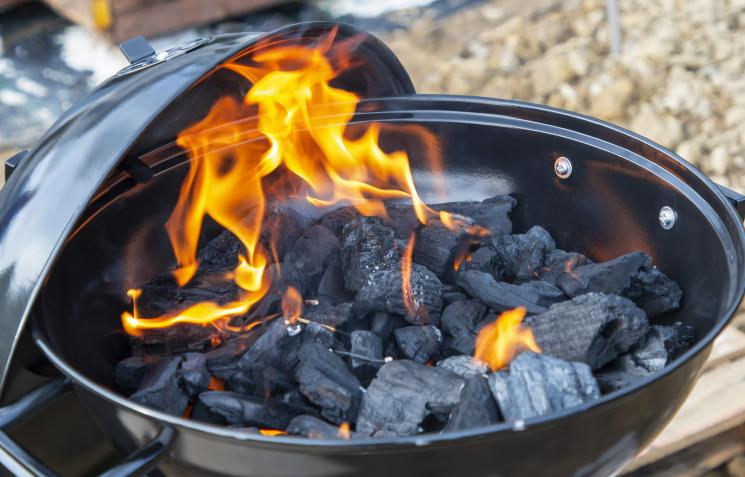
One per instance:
[(563, 167), (667, 217)]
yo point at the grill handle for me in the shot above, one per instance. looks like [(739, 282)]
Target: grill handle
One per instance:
[(19, 462), (735, 198)]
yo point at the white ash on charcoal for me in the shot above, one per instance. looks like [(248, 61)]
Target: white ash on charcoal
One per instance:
[(365, 355), (464, 366), (236, 409), (557, 262), (476, 406), (594, 329), (459, 322), (131, 372), (313, 428), (630, 275), (194, 373), (162, 388), (537, 384), (418, 343), (367, 246), (306, 262), (655, 351), (277, 346), (381, 291), (403, 394), (535, 295), (327, 382), (521, 256)]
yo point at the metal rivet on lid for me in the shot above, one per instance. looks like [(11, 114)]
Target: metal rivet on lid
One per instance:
[(667, 217), (563, 167)]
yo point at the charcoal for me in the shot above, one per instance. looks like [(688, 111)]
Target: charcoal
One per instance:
[(337, 219), (162, 388), (464, 366), (484, 259), (367, 246), (402, 219), (418, 343), (492, 213), (304, 265), (270, 381), (451, 294), (459, 322), (241, 382), (297, 403), (237, 409), (325, 380), (476, 406), (277, 346), (383, 324), (612, 276), (520, 256), (194, 373), (312, 427), (223, 361), (365, 344), (172, 340), (279, 232), (557, 262), (437, 247), (331, 289), (382, 292), (131, 372), (654, 292), (652, 354), (535, 296), (320, 334), (403, 394), (594, 329), (538, 384), (221, 253), (325, 314)]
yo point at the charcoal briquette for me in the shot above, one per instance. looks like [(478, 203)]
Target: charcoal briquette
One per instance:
[(194, 373), (162, 388), (520, 256), (484, 259), (654, 292), (277, 346), (132, 371), (367, 354), (459, 322), (222, 361), (492, 213), (318, 333), (476, 406), (464, 366), (313, 428), (237, 409), (557, 262), (437, 246), (366, 246), (535, 296), (612, 276), (331, 289), (305, 264), (418, 343)]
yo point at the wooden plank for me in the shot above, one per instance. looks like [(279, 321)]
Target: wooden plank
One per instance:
[(728, 346), (715, 406), (698, 459)]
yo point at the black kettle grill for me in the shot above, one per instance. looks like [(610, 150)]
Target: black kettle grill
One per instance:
[(107, 168)]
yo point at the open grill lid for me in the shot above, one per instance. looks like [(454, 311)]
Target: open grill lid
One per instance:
[(51, 188)]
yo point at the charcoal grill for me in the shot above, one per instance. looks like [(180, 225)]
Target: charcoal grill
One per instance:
[(107, 170)]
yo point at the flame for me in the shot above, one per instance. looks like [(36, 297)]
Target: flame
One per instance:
[(499, 342), (344, 431), (412, 307), (457, 222), (216, 384), (461, 257), (272, 432), (292, 305), (291, 126)]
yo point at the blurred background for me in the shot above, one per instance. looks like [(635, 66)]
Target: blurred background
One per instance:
[(672, 70)]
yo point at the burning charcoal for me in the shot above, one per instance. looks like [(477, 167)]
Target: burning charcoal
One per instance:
[(241, 382), (418, 343), (367, 354), (484, 259), (535, 296), (325, 380), (194, 373), (492, 213), (318, 333), (270, 381), (279, 232), (558, 262), (437, 246), (521, 256), (382, 292), (312, 427), (277, 347), (367, 246), (332, 289), (162, 389), (305, 264), (335, 316), (132, 371), (464, 366), (383, 324), (337, 219), (237, 409), (403, 394), (451, 294), (653, 353), (475, 408), (654, 292), (537, 385), (595, 328), (459, 321), (223, 361), (297, 403), (612, 276)]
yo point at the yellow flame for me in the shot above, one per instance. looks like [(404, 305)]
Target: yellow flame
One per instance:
[(499, 342)]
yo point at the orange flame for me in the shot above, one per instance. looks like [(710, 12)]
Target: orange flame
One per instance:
[(292, 305), (499, 342), (272, 432), (458, 222), (291, 123), (216, 384), (344, 431), (412, 307)]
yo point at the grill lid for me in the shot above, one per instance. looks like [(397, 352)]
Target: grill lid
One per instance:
[(51, 188)]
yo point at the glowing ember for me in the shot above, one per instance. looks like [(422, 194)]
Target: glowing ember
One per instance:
[(412, 307), (292, 305), (216, 384), (457, 222), (272, 432), (344, 431), (499, 342), (291, 122)]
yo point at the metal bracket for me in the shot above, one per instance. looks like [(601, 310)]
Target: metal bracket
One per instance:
[(12, 162), (736, 199), (136, 49)]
